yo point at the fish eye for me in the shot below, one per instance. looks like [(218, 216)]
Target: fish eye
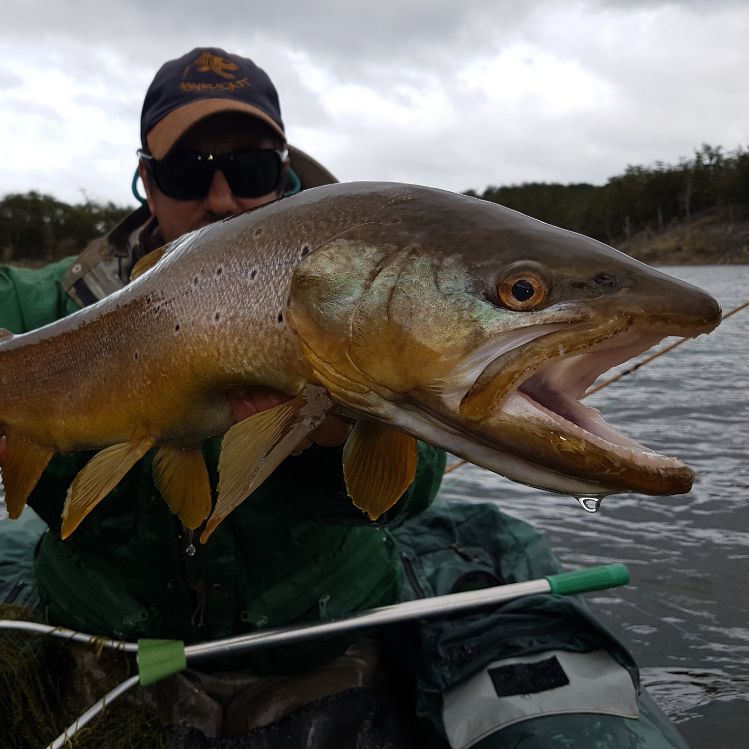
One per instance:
[(522, 290)]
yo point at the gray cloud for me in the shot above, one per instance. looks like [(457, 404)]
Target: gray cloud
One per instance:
[(453, 94)]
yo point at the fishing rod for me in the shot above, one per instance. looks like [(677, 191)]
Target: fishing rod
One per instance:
[(654, 355), (626, 372), (158, 659)]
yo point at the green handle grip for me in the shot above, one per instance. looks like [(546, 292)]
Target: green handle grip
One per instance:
[(158, 659), (595, 578)]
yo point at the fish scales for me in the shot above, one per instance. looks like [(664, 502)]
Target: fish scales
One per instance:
[(148, 329)]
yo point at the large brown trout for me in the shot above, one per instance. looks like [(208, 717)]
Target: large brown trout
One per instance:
[(416, 312)]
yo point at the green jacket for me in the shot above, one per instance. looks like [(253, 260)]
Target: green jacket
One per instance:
[(297, 550)]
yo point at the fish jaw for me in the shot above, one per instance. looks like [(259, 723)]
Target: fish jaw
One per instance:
[(540, 434), (541, 420)]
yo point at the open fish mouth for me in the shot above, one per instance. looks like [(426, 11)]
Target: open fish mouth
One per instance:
[(556, 391), (530, 406)]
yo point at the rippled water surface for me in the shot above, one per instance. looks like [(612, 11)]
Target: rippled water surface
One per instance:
[(686, 613)]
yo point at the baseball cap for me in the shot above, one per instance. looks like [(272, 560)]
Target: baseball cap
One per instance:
[(203, 82)]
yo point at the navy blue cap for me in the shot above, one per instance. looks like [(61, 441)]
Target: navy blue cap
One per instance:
[(203, 82)]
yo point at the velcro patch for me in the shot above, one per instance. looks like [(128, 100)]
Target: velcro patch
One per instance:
[(528, 678)]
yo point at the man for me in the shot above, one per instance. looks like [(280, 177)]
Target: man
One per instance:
[(213, 146)]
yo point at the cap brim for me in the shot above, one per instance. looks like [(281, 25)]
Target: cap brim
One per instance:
[(169, 129), (310, 172)]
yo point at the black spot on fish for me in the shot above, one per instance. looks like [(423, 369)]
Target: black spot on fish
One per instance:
[(217, 316), (195, 281), (254, 273), (280, 317), (176, 327), (305, 250), (219, 270), (136, 356), (606, 280)]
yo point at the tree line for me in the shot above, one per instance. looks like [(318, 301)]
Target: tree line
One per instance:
[(643, 198), (37, 228)]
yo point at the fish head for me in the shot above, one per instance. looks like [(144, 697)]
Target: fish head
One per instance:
[(479, 329)]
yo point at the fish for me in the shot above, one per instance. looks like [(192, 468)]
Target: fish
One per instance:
[(415, 313)]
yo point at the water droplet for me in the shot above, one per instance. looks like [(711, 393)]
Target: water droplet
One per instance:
[(190, 550), (590, 504)]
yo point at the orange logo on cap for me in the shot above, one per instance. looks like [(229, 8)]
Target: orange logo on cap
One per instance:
[(208, 63)]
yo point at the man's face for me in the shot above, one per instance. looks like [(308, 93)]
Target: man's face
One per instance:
[(220, 134)]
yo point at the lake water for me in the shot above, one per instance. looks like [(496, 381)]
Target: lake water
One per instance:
[(685, 615)]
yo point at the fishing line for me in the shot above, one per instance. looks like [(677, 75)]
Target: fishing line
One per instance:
[(655, 355), (454, 466)]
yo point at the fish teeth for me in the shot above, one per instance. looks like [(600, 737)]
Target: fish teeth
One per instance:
[(623, 446)]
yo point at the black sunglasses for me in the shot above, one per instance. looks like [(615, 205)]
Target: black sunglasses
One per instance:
[(188, 176)]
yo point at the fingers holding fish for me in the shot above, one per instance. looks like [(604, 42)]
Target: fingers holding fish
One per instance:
[(246, 401)]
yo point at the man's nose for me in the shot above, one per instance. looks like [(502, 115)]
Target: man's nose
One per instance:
[(220, 200)]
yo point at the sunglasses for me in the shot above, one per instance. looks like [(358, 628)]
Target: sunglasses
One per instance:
[(188, 176)]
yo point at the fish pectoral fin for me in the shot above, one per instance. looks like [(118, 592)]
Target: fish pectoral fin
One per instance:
[(182, 478), (97, 478), (254, 447), (379, 464), (147, 262), (24, 463)]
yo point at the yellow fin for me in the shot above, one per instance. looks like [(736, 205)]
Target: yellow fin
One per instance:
[(97, 478), (23, 465), (182, 478), (379, 464), (253, 448), (147, 262)]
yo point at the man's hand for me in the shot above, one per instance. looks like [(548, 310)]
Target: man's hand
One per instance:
[(247, 401)]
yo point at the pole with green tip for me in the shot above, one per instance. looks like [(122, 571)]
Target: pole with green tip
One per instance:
[(158, 659), (566, 583)]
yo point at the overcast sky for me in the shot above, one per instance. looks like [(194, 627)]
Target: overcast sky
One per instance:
[(452, 94)]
